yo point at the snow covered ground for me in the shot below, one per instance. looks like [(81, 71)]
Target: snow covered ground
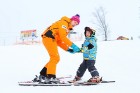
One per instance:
[(116, 60)]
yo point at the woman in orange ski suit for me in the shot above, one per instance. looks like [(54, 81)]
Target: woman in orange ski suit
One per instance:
[(56, 35)]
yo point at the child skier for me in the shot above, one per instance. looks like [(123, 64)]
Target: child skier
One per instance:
[(89, 49)]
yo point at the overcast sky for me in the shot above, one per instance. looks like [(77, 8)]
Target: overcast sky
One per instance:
[(123, 16)]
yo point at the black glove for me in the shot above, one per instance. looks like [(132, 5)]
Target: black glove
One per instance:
[(70, 50), (90, 46)]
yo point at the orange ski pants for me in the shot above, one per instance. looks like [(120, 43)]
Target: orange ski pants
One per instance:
[(51, 46)]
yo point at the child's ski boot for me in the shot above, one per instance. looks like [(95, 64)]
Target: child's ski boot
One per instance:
[(95, 79), (75, 79)]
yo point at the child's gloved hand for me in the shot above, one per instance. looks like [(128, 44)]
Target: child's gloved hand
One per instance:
[(81, 50), (90, 46)]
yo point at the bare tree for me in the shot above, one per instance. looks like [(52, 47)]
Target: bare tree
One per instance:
[(100, 22)]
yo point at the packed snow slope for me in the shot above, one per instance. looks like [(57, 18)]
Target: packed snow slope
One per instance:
[(116, 60)]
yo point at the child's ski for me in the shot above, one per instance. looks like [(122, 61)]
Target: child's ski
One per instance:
[(85, 83), (104, 81)]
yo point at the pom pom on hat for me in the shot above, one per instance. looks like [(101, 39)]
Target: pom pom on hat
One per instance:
[(76, 18), (77, 15)]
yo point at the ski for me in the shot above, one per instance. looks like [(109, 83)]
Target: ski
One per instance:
[(84, 84), (41, 84), (60, 84), (104, 81), (70, 76), (63, 82), (32, 83)]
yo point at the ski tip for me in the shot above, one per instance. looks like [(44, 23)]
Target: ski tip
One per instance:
[(107, 81)]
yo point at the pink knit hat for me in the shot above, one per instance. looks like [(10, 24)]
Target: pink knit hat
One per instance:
[(76, 18)]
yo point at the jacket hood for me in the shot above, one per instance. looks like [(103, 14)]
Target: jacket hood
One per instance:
[(65, 18)]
